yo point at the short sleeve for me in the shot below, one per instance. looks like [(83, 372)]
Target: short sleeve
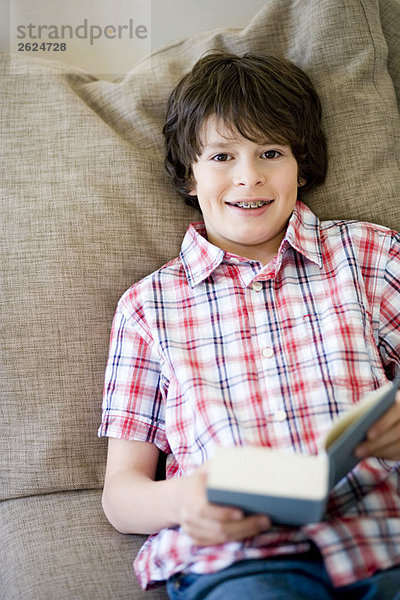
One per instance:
[(133, 402), (389, 332)]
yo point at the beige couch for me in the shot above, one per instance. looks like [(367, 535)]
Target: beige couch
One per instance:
[(86, 210)]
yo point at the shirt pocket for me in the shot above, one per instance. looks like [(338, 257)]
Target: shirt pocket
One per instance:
[(345, 348)]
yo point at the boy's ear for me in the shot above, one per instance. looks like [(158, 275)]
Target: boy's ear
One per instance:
[(301, 181), (192, 186)]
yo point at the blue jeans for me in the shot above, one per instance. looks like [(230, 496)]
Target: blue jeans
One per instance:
[(281, 579)]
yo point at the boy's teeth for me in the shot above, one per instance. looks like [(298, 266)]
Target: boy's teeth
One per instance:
[(251, 204)]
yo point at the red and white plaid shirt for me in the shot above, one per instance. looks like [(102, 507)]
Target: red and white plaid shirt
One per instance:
[(216, 349)]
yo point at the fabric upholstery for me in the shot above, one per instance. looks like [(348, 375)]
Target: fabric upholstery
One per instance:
[(80, 557), (389, 11), (86, 210)]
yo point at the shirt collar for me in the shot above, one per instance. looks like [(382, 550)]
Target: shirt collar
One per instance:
[(303, 233), (200, 258)]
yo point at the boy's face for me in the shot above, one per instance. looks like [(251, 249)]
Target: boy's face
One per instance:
[(246, 191)]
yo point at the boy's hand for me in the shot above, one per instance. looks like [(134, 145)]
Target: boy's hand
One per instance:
[(208, 524), (383, 439)]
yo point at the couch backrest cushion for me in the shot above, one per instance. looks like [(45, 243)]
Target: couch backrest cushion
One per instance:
[(87, 210), (389, 12)]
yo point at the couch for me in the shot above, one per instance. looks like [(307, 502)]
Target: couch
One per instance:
[(86, 210)]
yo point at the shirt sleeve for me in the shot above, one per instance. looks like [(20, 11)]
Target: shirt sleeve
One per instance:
[(133, 403), (389, 333)]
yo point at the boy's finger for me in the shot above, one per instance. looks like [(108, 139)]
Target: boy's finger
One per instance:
[(389, 452), (210, 532), (387, 421), (223, 513), (387, 445), (248, 527)]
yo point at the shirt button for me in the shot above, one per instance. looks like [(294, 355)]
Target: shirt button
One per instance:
[(235, 261), (280, 415), (268, 352), (257, 286)]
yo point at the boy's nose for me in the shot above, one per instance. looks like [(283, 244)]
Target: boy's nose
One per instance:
[(249, 175)]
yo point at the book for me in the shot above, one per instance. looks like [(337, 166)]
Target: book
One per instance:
[(292, 488)]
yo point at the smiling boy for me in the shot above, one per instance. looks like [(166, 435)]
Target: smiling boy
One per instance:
[(246, 191), (268, 325)]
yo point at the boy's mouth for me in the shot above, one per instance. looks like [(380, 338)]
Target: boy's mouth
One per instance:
[(250, 204)]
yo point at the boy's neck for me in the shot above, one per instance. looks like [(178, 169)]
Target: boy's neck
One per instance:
[(263, 253)]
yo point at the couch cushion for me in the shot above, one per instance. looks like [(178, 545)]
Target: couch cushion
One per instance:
[(78, 225), (389, 11), (87, 210), (62, 546)]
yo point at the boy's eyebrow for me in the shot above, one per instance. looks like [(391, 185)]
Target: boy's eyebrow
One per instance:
[(216, 145), (228, 144)]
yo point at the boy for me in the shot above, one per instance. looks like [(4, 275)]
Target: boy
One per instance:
[(268, 325)]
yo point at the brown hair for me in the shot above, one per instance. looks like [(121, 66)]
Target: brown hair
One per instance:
[(260, 96)]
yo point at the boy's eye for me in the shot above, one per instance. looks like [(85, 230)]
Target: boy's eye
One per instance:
[(271, 154), (222, 157)]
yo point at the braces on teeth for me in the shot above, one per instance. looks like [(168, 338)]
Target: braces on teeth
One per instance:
[(251, 204)]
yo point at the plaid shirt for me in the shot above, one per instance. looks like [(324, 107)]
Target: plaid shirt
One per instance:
[(216, 349)]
